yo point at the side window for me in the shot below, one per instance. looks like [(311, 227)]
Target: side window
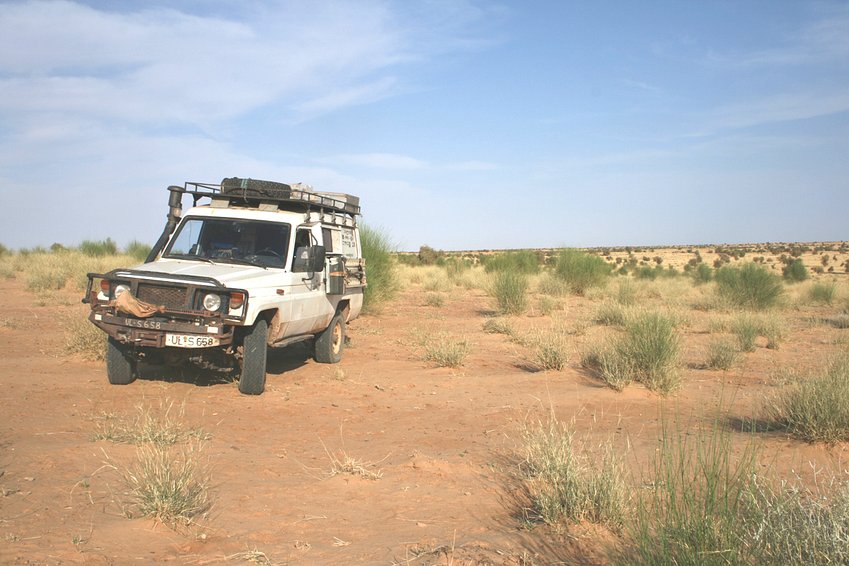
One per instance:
[(303, 240), (327, 236)]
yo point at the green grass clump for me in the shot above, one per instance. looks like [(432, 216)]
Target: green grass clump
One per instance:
[(98, 248), (702, 274), (517, 261), (721, 354), (611, 314), (551, 350), (749, 286), (651, 348), (816, 408), (823, 292), (795, 271), (693, 513), (445, 350), (615, 370), (566, 482), (748, 328), (168, 485), (510, 289), (137, 250), (380, 268), (581, 271)]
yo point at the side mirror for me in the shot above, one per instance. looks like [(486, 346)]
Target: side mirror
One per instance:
[(317, 256), (309, 259)]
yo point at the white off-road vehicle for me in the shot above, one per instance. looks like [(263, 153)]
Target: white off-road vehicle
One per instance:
[(251, 265)]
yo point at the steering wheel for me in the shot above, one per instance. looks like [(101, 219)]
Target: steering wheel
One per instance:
[(268, 251)]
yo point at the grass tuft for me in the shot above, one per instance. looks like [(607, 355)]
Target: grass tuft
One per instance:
[(581, 271), (815, 408), (446, 351), (721, 354), (85, 339), (749, 286), (171, 486), (147, 425), (566, 482), (510, 289), (380, 268), (823, 292)]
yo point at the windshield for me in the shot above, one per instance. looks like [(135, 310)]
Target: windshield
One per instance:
[(231, 241)]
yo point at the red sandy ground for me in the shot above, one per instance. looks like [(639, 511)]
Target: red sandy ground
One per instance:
[(445, 440)]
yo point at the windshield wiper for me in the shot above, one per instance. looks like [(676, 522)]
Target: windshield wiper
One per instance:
[(241, 261), (190, 257)]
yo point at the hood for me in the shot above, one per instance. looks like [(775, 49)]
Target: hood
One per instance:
[(228, 274)]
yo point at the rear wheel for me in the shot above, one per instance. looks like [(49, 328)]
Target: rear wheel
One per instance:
[(120, 366), (330, 343), (254, 358)]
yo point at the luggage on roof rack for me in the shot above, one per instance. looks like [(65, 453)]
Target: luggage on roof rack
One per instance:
[(239, 191)]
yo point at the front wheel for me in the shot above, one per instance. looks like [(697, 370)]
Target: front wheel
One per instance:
[(330, 343), (120, 367), (254, 357)]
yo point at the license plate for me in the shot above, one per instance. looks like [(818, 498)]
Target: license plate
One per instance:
[(190, 341)]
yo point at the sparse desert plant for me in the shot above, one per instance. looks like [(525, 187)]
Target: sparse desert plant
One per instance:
[(517, 261), (445, 350), (721, 354), (702, 274), (749, 286), (815, 408), (137, 250), (498, 326), (345, 464), (611, 314), (823, 292), (148, 425), (85, 339), (651, 347), (98, 248), (510, 290), (747, 331), (546, 305), (567, 482), (626, 294), (551, 350), (613, 369), (790, 525), (693, 512), (434, 300), (381, 268), (581, 271), (173, 486), (795, 271), (550, 285)]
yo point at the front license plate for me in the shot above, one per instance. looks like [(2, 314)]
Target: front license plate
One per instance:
[(190, 341)]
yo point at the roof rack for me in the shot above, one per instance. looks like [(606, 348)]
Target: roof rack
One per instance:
[(253, 193)]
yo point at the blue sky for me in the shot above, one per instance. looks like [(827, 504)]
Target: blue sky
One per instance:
[(460, 124)]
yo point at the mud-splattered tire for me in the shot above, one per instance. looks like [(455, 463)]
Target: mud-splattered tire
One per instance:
[(120, 367), (255, 356), (330, 343)]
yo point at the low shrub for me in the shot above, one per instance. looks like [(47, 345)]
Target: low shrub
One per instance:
[(815, 408), (721, 354), (795, 271), (611, 314), (445, 350), (823, 292), (137, 250), (380, 268), (702, 274), (517, 261), (551, 351), (581, 271), (747, 328), (510, 289), (651, 348), (497, 326), (98, 248), (434, 300), (749, 286), (172, 486), (565, 481)]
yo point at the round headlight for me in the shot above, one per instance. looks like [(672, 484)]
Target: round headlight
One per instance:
[(211, 302), (120, 289)]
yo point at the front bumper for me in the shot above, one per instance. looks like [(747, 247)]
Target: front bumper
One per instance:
[(152, 332)]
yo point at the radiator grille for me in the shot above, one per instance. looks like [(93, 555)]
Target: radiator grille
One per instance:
[(171, 297)]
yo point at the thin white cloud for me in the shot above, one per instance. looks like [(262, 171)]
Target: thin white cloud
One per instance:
[(780, 108), (378, 161)]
